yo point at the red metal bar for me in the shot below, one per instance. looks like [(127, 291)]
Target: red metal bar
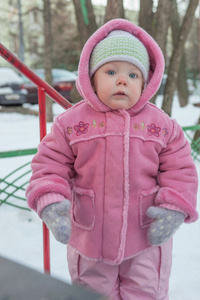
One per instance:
[(46, 249), (43, 132), (42, 111), (26, 71), (43, 88)]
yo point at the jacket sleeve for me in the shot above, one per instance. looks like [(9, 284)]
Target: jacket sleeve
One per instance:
[(178, 176), (53, 169)]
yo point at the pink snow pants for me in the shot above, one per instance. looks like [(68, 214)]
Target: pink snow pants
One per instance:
[(143, 277)]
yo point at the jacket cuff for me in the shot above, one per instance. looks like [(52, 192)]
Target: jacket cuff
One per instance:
[(173, 207), (171, 199), (48, 199)]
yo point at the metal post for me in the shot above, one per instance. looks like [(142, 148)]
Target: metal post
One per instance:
[(42, 111), (43, 132)]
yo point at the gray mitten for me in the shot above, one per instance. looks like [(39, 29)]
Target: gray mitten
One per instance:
[(165, 224), (57, 218)]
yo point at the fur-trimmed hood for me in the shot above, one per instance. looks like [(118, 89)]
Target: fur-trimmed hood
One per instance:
[(155, 56)]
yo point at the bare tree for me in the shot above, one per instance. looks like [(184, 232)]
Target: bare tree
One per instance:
[(156, 24), (48, 54), (85, 19), (114, 9), (146, 15), (162, 22), (182, 76), (21, 32), (176, 57), (65, 52)]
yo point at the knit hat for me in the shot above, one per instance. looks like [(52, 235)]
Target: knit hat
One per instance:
[(120, 45)]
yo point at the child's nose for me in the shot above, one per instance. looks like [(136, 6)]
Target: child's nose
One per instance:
[(121, 80)]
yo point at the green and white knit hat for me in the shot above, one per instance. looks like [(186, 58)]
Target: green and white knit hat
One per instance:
[(120, 46)]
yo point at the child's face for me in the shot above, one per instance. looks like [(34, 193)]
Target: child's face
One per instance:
[(118, 84)]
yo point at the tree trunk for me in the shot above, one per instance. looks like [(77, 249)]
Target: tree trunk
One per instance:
[(146, 15), (114, 9), (182, 88), (176, 58), (161, 24), (21, 33), (48, 55), (197, 133), (182, 77), (85, 19)]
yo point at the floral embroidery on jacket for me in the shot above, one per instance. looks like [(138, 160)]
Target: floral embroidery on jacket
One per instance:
[(102, 124), (81, 128), (164, 131), (153, 130), (94, 124), (143, 126), (69, 130), (136, 126)]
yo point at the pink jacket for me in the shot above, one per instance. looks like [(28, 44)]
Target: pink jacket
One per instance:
[(113, 165)]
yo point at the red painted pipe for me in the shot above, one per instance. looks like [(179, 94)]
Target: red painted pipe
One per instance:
[(46, 249), (42, 111), (43, 132), (43, 88), (26, 71)]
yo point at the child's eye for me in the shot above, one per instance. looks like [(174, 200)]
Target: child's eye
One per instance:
[(132, 75), (111, 72)]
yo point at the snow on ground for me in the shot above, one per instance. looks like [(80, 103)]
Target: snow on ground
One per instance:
[(21, 231)]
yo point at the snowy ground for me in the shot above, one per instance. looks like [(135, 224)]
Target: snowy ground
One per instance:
[(21, 231)]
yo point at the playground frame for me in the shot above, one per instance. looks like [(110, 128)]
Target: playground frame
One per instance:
[(43, 89)]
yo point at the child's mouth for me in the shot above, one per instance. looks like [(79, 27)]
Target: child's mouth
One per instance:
[(120, 93)]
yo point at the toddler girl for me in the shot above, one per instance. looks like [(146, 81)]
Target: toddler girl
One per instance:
[(115, 179)]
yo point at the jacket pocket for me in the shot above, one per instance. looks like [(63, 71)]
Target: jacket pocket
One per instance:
[(145, 201), (83, 208)]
